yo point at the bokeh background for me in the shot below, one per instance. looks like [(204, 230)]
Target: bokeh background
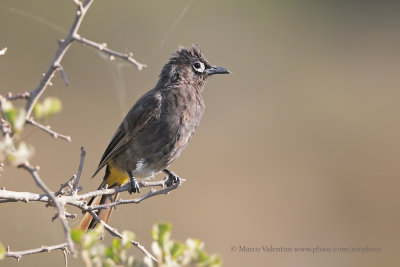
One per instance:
[(299, 146)]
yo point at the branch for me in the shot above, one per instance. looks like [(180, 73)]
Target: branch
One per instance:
[(18, 254), (78, 200), (5, 127), (64, 45), (78, 176), (150, 194), (47, 130), (55, 202), (56, 61), (114, 232), (103, 48), (10, 96)]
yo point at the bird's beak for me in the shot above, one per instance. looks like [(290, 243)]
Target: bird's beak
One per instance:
[(217, 70)]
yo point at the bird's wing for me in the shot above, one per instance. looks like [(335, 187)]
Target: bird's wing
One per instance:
[(145, 109)]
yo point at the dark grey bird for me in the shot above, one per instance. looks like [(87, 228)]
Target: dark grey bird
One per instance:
[(157, 128)]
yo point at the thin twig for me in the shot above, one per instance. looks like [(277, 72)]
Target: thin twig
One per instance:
[(64, 185), (19, 254), (63, 75), (47, 130), (10, 96), (55, 202), (103, 48), (65, 252), (78, 175), (5, 127), (114, 232)]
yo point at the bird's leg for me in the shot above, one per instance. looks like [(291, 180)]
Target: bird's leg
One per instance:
[(134, 183), (172, 178)]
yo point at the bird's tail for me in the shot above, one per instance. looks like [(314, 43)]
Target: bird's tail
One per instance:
[(113, 177), (87, 221)]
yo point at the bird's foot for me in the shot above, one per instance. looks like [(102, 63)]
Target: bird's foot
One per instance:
[(134, 184), (173, 179)]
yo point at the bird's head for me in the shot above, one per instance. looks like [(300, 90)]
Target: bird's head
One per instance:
[(188, 65)]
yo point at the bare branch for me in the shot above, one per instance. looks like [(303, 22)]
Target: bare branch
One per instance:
[(56, 61), (78, 200), (150, 194), (47, 130), (63, 75), (55, 202), (78, 176), (19, 254), (67, 184), (64, 45), (5, 127), (103, 48), (114, 232), (10, 96)]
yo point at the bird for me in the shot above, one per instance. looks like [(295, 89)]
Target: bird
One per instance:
[(157, 128)]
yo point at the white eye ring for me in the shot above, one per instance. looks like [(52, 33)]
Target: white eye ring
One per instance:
[(199, 66)]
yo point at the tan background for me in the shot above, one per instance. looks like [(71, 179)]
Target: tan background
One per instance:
[(299, 147)]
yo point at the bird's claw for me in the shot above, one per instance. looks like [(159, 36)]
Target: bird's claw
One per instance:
[(134, 184), (173, 179)]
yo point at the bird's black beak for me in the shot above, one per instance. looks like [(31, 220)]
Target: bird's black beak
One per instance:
[(217, 70)]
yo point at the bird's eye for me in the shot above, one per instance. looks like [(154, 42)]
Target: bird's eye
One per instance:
[(199, 66)]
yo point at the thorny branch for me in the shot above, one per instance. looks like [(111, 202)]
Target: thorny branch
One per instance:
[(61, 198), (55, 65), (52, 201), (79, 200), (18, 254), (48, 130)]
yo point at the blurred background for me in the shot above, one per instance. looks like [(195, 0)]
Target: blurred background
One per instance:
[(298, 147)]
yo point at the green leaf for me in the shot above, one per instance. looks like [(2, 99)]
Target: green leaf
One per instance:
[(10, 113), (76, 235), (177, 249), (15, 116), (48, 108), (116, 244), (201, 256), (2, 251), (161, 233)]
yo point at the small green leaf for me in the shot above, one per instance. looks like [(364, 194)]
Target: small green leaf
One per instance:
[(15, 116), (116, 244), (10, 113), (48, 108), (201, 256), (76, 235), (161, 233), (177, 249), (2, 251)]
